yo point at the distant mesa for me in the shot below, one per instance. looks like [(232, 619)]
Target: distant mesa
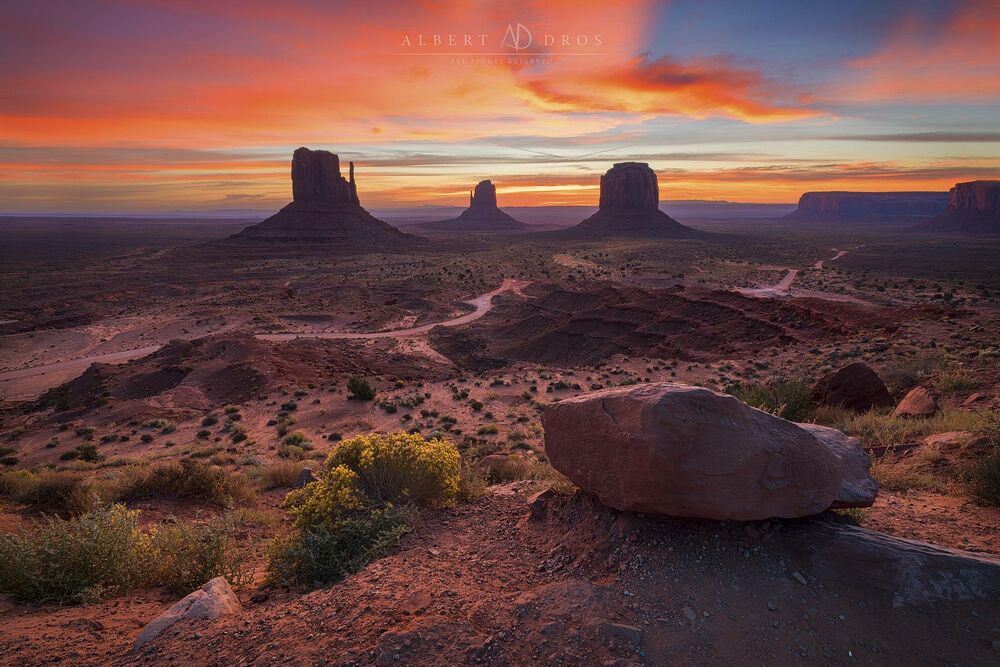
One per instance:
[(630, 207), (483, 215), (325, 214), (868, 206), (973, 207)]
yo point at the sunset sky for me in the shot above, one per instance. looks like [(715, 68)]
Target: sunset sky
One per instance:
[(163, 105)]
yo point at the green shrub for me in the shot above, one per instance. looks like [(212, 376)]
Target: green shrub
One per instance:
[(955, 381), (97, 555), (323, 554), (984, 480), (297, 438), (62, 493), (279, 475), (105, 553), (880, 428), (185, 479), (904, 374), (788, 399), (186, 555), (360, 389)]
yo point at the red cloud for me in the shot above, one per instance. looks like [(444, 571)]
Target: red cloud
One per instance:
[(696, 88)]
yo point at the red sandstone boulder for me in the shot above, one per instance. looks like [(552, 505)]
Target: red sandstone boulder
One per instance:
[(917, 403), (857, 487), (855, 386), (686, 451)]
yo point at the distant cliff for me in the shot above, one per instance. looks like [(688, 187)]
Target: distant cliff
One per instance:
[(973, 207), (868, 206)]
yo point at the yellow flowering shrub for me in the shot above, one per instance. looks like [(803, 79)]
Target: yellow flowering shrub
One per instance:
[(325, 501), (377, 470), (362, 504), (401, 467)]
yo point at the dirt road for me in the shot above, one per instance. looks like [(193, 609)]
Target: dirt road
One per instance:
[(783, 287), (482, 304), (34, 379)]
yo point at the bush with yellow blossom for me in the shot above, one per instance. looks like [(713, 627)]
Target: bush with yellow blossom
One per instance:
[(362, 503)]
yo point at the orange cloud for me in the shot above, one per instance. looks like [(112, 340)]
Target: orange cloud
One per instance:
[(698, 89), (926, 62)]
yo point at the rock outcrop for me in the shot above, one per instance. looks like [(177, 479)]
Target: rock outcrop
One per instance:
[(213, 600), (868, 206), (855, 386), (691, 452), (325, 215), (316, 178), (483, 215), (973, 207), (918, 402), (629, 207)]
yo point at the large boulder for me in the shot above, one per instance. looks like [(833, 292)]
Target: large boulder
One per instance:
[(211, 601), (857, 487), (919, 402), (687, 451), (855, 386)]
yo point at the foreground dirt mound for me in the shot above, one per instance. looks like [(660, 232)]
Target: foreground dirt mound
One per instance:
[(516, 579), (229, 369), (586, 326)]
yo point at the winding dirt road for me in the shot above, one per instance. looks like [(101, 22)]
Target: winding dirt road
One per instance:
[(482, 303), (783, 287), (33, 379)]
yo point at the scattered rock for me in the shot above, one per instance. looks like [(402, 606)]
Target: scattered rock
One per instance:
[(538, 504), (304, 477), (211, 601), (962, 442), (628, 633), (973, 399), (687, 451), (855, 386), (917, 403)]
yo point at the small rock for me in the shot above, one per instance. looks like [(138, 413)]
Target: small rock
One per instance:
[(304, 477), (799, 578), (209, 602), (689, 614), (629, 633), (917, 403)]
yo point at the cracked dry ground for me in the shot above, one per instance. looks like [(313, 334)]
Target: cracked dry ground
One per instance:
[(566, 582)]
